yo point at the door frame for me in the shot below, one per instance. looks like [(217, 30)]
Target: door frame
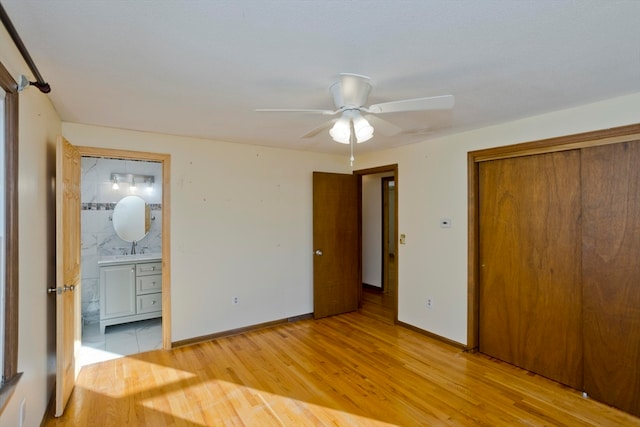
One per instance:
[(474, 158), (165, 159), (359, 174)]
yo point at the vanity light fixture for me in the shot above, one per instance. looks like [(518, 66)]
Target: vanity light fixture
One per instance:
[(131, 179)]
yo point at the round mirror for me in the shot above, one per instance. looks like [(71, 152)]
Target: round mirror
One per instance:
[(131, 219)]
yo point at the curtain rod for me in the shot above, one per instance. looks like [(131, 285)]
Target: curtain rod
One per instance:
[(39, 83)]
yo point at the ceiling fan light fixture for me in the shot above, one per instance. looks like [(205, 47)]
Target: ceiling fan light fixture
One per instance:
[(362, 128), (341, 130)]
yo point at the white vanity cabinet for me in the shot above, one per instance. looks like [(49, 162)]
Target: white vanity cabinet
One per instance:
[(129, 291)]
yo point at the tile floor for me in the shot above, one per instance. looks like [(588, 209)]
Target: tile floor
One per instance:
[(119, 340)]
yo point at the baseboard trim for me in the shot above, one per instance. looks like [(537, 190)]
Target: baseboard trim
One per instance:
[(238, 331), (437, 337)]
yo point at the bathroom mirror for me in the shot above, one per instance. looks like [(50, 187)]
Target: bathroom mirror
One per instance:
[(131, 219)]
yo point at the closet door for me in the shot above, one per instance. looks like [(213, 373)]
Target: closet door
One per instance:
[(530, 291), (611, 274)]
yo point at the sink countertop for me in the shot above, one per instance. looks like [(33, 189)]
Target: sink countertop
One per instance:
[(129, 259)]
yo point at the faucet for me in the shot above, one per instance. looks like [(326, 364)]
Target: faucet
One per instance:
[(133, 247)]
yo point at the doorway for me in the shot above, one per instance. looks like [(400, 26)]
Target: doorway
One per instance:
[(143, 329), (378, 231), (388, 234)]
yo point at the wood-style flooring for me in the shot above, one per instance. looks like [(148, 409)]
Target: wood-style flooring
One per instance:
[(356, 369), (381, 303), (378, 305)]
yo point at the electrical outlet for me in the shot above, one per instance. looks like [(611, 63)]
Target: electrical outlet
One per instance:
[(429, 303), (235, 300)]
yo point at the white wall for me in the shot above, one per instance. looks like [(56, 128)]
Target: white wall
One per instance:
[(39, 125), (432, 184), (241, 225)]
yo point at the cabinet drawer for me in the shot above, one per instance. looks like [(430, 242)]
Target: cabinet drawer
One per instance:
[(149, 284), (148, 268), (149, 303)]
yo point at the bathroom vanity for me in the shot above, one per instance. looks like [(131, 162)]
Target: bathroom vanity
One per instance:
[(130, 288)]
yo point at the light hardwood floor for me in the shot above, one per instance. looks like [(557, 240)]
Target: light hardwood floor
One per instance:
[(347, 370), (381, 305)]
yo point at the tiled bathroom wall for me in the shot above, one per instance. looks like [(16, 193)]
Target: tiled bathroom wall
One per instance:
[(98, 236)]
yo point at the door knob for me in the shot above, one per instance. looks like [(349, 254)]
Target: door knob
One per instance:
[(54, 290), (69, 288), (318, 252)]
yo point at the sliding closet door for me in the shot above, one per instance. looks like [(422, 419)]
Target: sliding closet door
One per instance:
[(530, 291), (611, 274)]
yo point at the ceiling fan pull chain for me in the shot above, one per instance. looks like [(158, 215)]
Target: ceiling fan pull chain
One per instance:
[(352, 141)]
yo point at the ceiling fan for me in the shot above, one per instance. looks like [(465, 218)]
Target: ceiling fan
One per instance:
[(350, 95)]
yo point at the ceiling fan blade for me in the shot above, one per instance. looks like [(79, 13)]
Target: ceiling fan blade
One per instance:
[(420, 104), (297, 110), (313, 132), (384, 127)]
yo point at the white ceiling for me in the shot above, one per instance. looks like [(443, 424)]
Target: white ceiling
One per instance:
[(201, 68)]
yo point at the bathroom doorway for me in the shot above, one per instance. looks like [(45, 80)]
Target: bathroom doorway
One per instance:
[(125, 305)]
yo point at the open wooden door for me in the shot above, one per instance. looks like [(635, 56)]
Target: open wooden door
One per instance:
[(336, 264), (67, 270)]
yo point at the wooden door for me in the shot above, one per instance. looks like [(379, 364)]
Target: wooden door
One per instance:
[(336, 263), (67, 270), (530, 291), (611, 274)]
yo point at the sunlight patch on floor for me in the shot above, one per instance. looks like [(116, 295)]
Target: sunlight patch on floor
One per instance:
[(223, 401)]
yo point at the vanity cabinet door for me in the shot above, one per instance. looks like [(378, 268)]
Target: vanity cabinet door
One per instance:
[(117, 291)]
